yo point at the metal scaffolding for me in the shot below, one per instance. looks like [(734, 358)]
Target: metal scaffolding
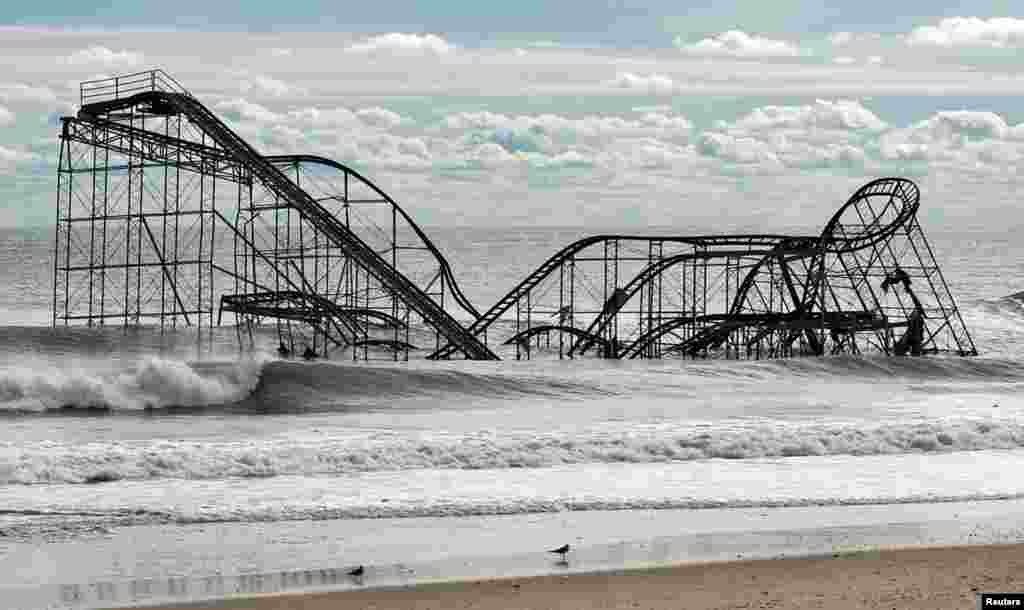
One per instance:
[(165, 216), (868, 283)]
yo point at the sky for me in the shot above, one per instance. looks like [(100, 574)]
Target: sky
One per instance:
[(730, 114)]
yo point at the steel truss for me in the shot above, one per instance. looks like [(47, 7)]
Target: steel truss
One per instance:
[(166, 216), (868, 283)]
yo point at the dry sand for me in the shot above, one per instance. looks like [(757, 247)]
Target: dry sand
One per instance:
[(924, 578)]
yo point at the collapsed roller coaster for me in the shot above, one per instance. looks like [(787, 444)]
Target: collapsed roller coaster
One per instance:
[(167, 217)]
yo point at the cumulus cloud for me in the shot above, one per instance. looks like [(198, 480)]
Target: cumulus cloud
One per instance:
[(18, 92), (388, 150), (6, 117), (823, 135), (379, 117), (268, 85), (969, 124), (397, 43), (652, 83), (656, 139), (736, 43), (778, 152), (823, 114), (242, 109), (842, 39), (652, 123), (947, 135), (997, 32), (102, 56), (956, 139), (844, 60), (310, 119), (653, 153), (322, 118), (737, 149)]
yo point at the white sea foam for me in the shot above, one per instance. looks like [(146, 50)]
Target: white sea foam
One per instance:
[(54, 462), (152, 382)]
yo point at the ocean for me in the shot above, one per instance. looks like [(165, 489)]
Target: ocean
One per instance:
[(143, 465)]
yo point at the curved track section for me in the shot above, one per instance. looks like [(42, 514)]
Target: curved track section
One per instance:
[(569, 254), (527, 335), (397, 242), (871, 215), (164, 213), (791, 247), (783, 253), (287, 193)]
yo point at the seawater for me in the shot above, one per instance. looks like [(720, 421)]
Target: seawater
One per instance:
[(104, 429)]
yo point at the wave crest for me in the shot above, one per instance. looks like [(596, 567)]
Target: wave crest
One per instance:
[(153, 383), (167, 459)]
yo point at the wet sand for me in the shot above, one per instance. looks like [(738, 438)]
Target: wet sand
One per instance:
[(915, 578)]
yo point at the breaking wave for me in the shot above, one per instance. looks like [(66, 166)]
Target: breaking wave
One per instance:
[(262, 385), (153, 383), (251, 386), (53, 462)]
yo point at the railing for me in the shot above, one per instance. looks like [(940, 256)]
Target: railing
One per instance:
[(106, 89)]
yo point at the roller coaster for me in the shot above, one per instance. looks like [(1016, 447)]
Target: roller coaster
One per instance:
[(167, 217)]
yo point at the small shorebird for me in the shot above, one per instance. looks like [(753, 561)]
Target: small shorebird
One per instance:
[(562, 550), (357, 571)]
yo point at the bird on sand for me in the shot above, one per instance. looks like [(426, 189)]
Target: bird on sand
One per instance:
[(357, 571), (562, 550)]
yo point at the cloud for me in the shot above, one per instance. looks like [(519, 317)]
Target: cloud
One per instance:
[(242, 109), (834, 135), (6, 117), (326, 118), (268, 85), (736, 43), (281, 52), (956, 139), (842, 39), (17, 92), (844, 60), (823, 114), (653, 83), (592, 126), (402, 44), (737, 149), (997, 32), (310, 119), (388, 150), (102, 56), (778, 152), (379, 117), (665, 122), (969, 124)]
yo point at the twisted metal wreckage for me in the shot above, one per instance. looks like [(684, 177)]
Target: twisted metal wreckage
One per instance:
[(167, 215)]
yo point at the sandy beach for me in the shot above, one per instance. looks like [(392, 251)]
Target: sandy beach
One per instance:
[(925, 578)]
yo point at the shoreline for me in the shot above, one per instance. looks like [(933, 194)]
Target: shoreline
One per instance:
[(861, 577), (145, 566)]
